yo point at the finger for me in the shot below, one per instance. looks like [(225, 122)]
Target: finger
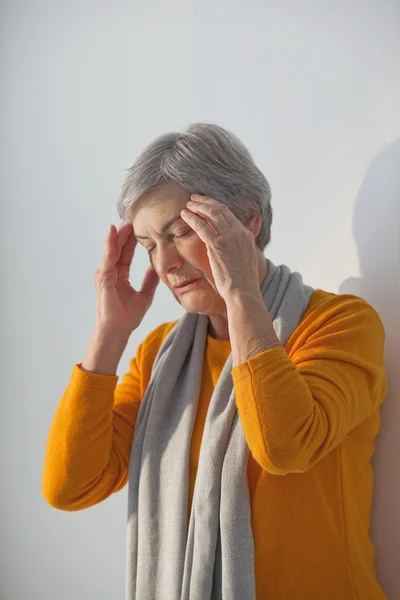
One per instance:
[(207, 200), (128, 244), (112, 245), (104, 273), (108, 260), (216, 215), (124, 230), (150, 282), (126, 255), (203, 229)]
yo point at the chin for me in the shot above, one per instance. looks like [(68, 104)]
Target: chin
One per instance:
[(193, 304), (202, 305)]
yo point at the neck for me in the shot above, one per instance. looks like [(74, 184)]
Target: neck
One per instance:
[(218, 324)]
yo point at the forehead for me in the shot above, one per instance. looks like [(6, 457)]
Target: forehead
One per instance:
[(157, 207), (166, 195)]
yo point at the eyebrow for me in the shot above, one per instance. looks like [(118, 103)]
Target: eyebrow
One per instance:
[(163, 228)]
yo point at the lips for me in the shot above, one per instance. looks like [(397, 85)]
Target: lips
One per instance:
[(186, 282)]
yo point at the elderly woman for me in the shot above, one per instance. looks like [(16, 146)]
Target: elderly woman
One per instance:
[(246, 427)]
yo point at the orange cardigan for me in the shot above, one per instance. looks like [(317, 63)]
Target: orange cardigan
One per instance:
[(310, 414)]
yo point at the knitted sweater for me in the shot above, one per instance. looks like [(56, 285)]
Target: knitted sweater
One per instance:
[(310, 415)]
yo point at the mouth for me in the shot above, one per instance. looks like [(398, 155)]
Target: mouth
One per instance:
[(187, 285)]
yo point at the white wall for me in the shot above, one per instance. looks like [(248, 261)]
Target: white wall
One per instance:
[(312, 88)]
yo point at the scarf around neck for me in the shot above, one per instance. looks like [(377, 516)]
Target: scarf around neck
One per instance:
[(213, 558)]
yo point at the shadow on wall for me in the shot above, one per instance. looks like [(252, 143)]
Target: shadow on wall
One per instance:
[(376, 229)]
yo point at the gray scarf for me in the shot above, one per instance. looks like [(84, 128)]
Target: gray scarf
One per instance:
[(214, 559)]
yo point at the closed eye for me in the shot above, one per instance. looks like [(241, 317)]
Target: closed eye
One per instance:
[(182, 234), (173, 236)]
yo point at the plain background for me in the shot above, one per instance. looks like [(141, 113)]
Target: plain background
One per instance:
[(312, 88)]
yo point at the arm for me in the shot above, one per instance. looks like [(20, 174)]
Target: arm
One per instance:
[(250, 326), (295, 410), (90, 438)]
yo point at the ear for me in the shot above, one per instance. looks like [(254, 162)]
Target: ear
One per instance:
[(255, 224)]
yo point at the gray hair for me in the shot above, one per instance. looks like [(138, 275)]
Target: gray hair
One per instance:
[(205, 159)]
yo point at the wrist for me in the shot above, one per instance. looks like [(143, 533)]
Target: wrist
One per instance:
[(104, 353), (111, 340), (242, 297)]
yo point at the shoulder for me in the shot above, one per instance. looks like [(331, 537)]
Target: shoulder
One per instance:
[(332, 319), (338, 327), (341, 308)]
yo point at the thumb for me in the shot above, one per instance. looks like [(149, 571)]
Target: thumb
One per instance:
[(150, 281)]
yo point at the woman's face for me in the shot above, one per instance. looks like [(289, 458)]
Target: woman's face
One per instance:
[(177, 254)]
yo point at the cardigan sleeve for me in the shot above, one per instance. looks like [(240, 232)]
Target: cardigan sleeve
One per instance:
[(90, 438), (297, 408)]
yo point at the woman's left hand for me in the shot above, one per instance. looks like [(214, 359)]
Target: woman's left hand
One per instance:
[(230, 245)]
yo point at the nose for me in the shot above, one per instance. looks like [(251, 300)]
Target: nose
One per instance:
[(168, 260)]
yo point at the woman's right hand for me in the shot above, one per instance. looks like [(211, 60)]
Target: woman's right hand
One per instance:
[(119, 307)]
